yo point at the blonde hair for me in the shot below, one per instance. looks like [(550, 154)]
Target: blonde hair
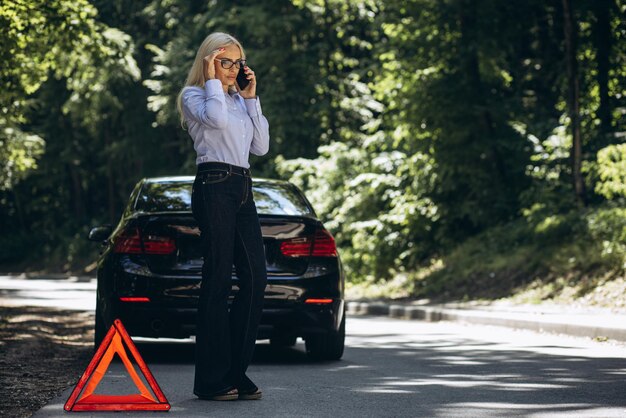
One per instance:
[(195, 77)]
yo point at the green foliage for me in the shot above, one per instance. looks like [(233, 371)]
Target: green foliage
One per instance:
[(484, 113), (443, 97), (431, 137), (612, 171), (607, 226), (64, 113), (540, 248), (32, 38), (19, 152), (378, 210)]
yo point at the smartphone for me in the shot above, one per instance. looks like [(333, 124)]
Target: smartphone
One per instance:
[(242, 81)]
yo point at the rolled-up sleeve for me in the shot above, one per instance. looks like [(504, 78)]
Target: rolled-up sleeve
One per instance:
[(261, 135), (208, 106)]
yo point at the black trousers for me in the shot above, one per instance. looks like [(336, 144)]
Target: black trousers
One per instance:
[(223, 205)]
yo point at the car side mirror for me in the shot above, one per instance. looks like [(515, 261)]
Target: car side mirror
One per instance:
[(100, 233)]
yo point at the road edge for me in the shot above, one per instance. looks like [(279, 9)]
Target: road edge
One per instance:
[(528, 321)]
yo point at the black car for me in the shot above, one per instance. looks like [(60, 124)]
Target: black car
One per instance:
[(150, 268)]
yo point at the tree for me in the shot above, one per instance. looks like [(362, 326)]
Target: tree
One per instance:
[(60, 63), (573, 100)]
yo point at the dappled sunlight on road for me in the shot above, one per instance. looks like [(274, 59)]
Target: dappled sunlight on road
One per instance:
[(63, 292), (413, 369), (50, 326), (390, 367), (496, 369)]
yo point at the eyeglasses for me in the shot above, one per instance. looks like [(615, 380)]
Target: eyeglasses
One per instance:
[(228, 64)]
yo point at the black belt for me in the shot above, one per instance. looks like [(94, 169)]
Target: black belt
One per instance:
[(234, 169)]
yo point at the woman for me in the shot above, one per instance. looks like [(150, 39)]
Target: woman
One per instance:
[(226, 124)]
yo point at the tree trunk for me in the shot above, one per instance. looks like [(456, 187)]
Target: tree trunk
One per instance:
[(603, 41), (573, 102), (77, 194), (18, 208), (111, 192), (331, 74), (110, 179)]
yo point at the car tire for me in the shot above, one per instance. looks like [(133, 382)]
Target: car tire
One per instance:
[(99, 328), (283, 340), (328, 346)]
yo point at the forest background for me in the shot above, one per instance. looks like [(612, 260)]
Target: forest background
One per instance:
[(456, 149)]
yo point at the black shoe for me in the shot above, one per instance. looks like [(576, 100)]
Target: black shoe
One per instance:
[(251, 395), (248, 390), (229, 394)]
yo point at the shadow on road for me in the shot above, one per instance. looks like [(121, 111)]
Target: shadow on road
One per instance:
[(444, 374), (405, 368), (184, 353)]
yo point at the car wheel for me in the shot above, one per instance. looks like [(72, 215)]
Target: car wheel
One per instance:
[(100, 327), (283, 340), (329, 346)]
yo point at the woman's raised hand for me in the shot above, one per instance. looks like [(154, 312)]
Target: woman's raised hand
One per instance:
[(250, 91), (209, 64)]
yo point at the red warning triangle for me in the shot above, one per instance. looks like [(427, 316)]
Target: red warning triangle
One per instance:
[(143, 401)]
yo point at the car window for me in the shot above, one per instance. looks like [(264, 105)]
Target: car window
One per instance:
[(270, 198), (277, 199)]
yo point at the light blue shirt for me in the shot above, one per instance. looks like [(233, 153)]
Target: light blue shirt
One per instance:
[(224, 127)]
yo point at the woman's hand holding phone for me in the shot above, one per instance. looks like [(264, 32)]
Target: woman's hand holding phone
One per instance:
[(249, 91), (209, 64)]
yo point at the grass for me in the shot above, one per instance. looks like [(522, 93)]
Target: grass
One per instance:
[(575, 257)]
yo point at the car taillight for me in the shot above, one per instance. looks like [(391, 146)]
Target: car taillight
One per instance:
[(322, 244), (318, 301), (296, 247), (134, 299), (130, 242), (154, 244)]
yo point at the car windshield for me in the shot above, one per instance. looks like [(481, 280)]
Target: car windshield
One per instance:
[(175, 196)]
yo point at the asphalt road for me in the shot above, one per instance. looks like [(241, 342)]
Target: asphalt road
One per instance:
[(404, 369), (390, 368)]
